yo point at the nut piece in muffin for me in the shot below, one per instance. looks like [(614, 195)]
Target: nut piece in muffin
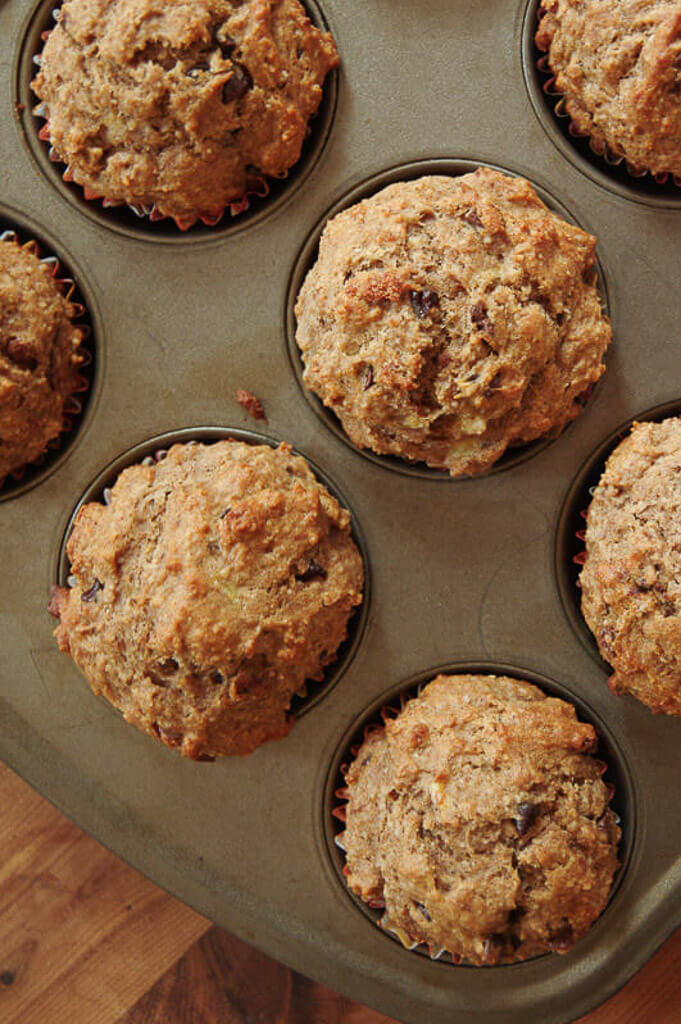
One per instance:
[(618, 65), (449, 318), (631, 580), (213, 584), (479, 818), (185, 106), (39, 356)]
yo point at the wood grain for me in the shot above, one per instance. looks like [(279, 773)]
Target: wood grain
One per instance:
[(84, 939), (82, 935)]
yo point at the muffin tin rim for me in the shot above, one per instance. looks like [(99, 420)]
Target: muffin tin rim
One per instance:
[(306, 255), (358, 621)]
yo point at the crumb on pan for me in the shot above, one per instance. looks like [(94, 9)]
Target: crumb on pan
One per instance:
[(251, 403)]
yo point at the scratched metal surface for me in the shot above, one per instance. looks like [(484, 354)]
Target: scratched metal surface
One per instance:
[(460, 572)]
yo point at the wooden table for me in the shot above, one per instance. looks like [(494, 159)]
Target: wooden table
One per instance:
[(84, 939)]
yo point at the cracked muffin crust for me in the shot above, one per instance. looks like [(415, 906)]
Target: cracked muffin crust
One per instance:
[(631, 589), (618, 65), (213, 584), (181, 106), (480, 819), (447, 319), (39, 356)]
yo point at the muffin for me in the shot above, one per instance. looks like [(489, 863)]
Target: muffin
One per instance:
[(181, 107), (617, 62), (479, 818), (446, 319), (631, 580), (213, 584), (39, 356)]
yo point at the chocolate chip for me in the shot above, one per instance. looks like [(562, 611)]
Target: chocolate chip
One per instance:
[(494, 947), (313, 572), (420, 906), (471, 217), (217, 678), (7, 978), (563, 939), (197, 71), (91, 593), (424, 302), (22, 354), (226, 45), (168, 666), (367, 376), (479, 317), (237, 85), (527, 815)]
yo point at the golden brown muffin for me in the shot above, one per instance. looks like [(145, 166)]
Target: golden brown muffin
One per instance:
[(479, 818), (618, 65), (447, 319), (39, 356), (631, 580), (181, 106), (207, 591)]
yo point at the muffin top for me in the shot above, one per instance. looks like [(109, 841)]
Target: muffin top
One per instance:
[(631, 580), (448, 318), (480, 820), (183, 106), (213, 584), (39, 356), (617, 62)]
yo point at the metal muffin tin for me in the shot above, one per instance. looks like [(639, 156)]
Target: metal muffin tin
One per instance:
[(461, 573)]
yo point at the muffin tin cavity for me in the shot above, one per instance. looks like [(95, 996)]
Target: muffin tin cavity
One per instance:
[(607, 171), (81, 403), (124, 219), (570, 549), (308, 256), (617, 775), (155, 449)]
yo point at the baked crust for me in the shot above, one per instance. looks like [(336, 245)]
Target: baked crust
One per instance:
[(480, 818), (39, 356), (618, 65), (447, 319), (181, 106), (211, 587), (631, 580)]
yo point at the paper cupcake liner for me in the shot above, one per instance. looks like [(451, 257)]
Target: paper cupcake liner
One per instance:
[(602, 151), (257, 188), (339, 813), (74, 405)]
